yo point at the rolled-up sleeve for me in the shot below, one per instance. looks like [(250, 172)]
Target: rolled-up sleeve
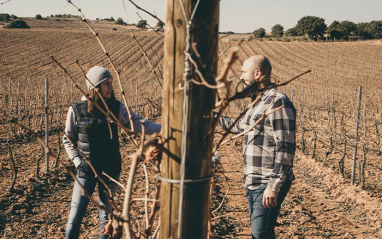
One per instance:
[(283, 123), (226, 123)]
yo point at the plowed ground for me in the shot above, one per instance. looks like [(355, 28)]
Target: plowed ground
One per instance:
[(321, 204)]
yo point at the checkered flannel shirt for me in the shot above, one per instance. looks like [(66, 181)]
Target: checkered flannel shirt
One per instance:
[(268, 149)]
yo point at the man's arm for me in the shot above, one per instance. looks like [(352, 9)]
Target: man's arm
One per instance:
[(226, 123), (283, 123)]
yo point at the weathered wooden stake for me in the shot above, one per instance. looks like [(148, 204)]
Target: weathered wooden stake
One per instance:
[(356, 135), (194, 213), (46, 123)]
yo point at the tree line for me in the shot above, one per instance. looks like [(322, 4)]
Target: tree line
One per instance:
[(315, 28), (19, 23)]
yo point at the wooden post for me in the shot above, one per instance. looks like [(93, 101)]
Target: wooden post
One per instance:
[(195, 204), (356, 135), (136, 98), (46, 124)]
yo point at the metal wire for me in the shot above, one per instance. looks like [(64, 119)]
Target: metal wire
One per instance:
[(186, 78)]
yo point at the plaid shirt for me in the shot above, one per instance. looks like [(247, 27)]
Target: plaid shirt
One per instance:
[(269, 148)]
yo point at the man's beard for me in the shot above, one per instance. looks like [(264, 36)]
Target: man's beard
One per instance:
[(253, 88)]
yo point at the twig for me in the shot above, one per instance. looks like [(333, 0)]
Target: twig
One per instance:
[(101, 97), (342, 159), (327, 152), (252, 89), (38, 162), (204, 82), (5, 2), (147, 12), (110, 116), (90, 164), (156, 231), (155, 105), (68, 169), (150, 26), (126, 204), (227, 132), (226, 193), (115, 181), (263, 116), (153, 211), (14, 170), (148, 60), (110, 61), (146, 194)]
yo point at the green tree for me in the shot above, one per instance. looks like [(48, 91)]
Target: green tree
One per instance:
[(142, 24), (375, 29), (112, 19), (311, 26), (259, 33), (363, 30), (17, 24), (277, 30), (5, 17), (119, 21), (160, 24), (38, 16), (333, 26), (347, 28), (336, 34), (291, 32)]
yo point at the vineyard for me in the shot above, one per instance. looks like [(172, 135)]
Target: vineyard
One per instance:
[(326, 101)]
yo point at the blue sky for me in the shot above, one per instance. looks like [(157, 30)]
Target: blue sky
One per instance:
[(235, 15)]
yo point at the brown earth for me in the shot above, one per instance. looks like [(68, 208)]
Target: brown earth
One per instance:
[(321, 204)]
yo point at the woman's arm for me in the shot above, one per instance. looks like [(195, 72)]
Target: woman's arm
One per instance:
[(150, 127), (71, 132)]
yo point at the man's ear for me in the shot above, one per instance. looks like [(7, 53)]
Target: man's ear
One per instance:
[(257, 74)]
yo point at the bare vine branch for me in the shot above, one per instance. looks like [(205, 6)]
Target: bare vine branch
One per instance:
[(150, 26), (152, 15), (5, 2), (110, 116), (110, 61), (148, 60)]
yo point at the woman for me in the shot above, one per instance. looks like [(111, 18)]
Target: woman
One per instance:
[(97, 139)]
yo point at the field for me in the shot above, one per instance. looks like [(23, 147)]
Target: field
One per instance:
[(323, 203)]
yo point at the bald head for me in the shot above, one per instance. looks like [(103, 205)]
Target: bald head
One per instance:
[(257, 68), (260, 62)]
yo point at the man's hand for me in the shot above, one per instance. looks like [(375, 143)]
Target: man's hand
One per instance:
[(108, 229), (269, 199)]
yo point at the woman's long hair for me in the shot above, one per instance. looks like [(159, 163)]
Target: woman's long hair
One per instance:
[(94, 97)]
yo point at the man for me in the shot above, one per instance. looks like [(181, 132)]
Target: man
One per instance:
[(268, 149)]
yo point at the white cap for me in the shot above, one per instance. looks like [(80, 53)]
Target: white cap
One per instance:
[(96, 75)]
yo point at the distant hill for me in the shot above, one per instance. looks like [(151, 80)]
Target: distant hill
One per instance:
[(74, 23)]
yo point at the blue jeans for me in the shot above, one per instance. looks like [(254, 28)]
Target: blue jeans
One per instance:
[(80, 203), (263, 220)]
